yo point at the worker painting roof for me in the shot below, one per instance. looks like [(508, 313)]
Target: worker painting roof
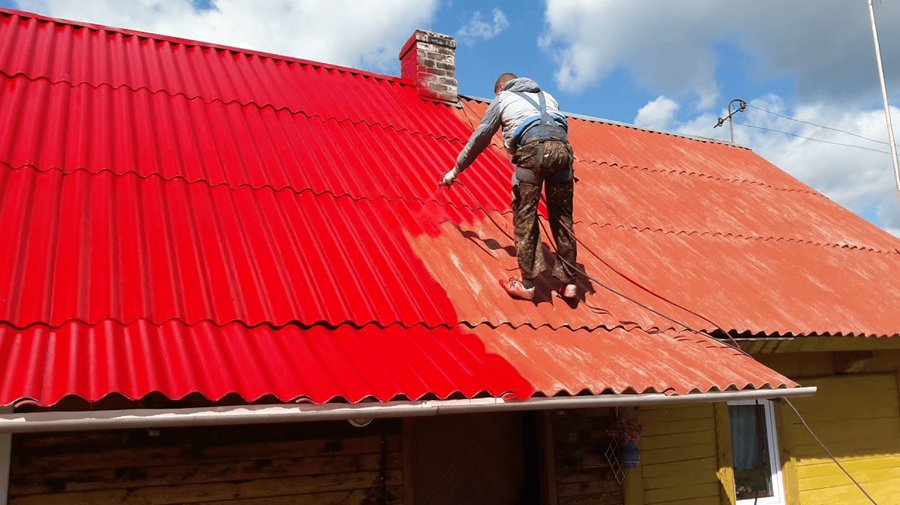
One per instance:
[(534, 135)]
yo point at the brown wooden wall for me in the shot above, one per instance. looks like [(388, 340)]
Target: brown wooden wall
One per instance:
[(310, 463), (473, 459), (582, 474)]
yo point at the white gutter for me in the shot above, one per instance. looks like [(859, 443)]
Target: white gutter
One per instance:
[(260, 414)]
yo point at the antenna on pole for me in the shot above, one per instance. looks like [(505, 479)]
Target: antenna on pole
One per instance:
[(887, 108), (741, 105)]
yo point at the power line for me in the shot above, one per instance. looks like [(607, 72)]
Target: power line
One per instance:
[(813, 139), (816, 125)]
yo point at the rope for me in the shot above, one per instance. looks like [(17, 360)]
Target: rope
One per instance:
[(604, 286), (700, 332), (592, 279)]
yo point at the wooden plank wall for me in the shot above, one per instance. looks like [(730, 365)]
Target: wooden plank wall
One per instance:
[(679, 461), (858, 418), (310, 463), (582, 474), (469, 459)]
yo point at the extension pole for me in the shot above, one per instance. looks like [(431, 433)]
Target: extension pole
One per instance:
[(887, 108)]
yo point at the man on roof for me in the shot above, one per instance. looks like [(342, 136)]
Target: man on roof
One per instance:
[(535, 135)]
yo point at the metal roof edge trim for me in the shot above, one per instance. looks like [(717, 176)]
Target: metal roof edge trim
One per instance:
[(264, 414), (593, 119), (189, 42)]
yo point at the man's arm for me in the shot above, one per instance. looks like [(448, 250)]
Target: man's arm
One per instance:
[(481, 138)]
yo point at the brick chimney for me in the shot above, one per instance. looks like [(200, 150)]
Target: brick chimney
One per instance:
[(429, 60)]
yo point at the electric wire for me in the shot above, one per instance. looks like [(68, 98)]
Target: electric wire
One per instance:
[(592, 279), (817, 125), (812, 138), (699, 332)]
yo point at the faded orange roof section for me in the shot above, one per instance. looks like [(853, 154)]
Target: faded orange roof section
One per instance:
[(682, 223)]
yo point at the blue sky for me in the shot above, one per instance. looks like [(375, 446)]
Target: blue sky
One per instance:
[(663, 65)]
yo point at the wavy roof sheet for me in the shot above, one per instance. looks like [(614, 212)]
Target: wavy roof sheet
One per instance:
[(185, 218)]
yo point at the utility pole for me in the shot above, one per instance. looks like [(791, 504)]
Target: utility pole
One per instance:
[(732, 110), (887, 107)]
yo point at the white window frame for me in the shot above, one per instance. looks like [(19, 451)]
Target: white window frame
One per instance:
[(775, 477)]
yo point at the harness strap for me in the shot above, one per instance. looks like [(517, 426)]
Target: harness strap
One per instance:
[(547, 122), (542, 107)]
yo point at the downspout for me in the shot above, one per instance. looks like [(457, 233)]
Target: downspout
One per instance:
[(261, 414)]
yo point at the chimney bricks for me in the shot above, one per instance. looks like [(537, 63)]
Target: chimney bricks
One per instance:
[(428, 59)]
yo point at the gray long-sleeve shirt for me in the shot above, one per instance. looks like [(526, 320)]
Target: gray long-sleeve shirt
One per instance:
[(508, 110)]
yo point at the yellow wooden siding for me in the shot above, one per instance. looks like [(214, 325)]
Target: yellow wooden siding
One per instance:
[(784, 417), (678, 455), (858, 418), (725, 471), (798, 365)]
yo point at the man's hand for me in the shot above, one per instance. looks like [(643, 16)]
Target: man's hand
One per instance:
[(449, 178)]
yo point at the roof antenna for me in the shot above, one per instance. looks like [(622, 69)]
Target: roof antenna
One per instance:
[(887, 108), (732, 110)]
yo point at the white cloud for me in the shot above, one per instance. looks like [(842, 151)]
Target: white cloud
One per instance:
[(657, 115), (823, 50), (480, 29), (589, 39), (856, 178), (670, 48), (370, 38), (859, 179)]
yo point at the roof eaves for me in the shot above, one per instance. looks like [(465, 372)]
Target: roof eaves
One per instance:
[(255, 414)]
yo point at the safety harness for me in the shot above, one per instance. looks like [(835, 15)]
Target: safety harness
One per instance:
[(541, 127), (548, 129)]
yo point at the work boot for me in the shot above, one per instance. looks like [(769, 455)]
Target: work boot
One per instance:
[(516, 290), (568, 292)]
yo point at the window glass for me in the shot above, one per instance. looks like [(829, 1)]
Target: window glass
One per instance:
[(757, 477)]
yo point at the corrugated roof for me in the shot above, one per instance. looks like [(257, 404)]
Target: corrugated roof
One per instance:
[(321, 364), (192, 219)]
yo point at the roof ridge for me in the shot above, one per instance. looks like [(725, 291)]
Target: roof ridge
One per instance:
[(725, 235), (250, 103), (593, 119), (190, 42)]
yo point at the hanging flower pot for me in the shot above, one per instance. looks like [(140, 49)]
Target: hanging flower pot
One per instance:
[(627, 432), (631, 455)]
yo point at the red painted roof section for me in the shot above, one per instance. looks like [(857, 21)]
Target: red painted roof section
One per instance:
[(185, 218)]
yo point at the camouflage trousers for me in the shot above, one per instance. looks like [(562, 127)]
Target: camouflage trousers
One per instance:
[(526, 195)]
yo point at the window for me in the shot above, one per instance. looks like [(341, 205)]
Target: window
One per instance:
[(754, 453)]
